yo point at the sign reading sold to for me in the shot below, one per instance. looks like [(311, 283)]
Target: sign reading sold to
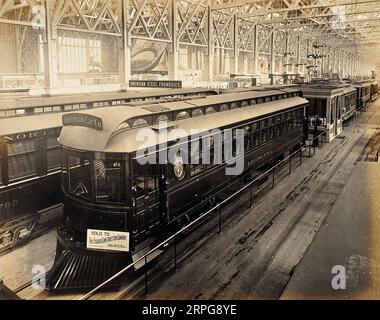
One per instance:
[(107, 240)]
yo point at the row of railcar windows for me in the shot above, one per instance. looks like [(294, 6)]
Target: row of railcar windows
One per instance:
[(186, 114), (24, 158), (255, 134), (78, 106)]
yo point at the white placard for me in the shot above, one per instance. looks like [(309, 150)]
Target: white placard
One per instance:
[(107, 240)]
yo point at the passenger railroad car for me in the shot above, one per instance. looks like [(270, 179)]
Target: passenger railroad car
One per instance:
[(107, 189)]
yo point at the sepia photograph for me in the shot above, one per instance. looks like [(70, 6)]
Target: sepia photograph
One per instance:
[(188, 155)]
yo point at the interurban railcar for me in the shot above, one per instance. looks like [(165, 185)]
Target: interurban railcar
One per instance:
[(349, 105), (109, 195), (30, 166), (325, 110), (374, 90), (32, 105), (363, 93)]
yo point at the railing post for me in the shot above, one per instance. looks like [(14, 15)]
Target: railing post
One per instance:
[(273, 177), (309, 150), (290, 164), (220, 219), (175, 253), (250, 195), (146, 276), (300, 155), (321, 141)]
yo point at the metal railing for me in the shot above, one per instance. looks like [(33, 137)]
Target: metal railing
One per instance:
[(315, 142)]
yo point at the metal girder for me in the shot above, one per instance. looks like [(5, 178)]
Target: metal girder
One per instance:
[(149, 20), (193, 23), (18, 12), (92, 16)]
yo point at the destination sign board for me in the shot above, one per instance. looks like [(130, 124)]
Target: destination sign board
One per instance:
[(155, 84), (83, 120), (107, 240)]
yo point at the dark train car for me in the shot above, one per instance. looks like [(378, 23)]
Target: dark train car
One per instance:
[(363, 93), (374, 90), (325, 113), (115, 203), (30, 193), (349, 106), (29, 177)]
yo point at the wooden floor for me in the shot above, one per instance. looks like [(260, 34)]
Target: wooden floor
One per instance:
[(16, 267)]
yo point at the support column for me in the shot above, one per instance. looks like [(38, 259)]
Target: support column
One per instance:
[(298, 55), (125, 52), (173, 65), (272, 58), (234, 66), (255, 49), (208, 72), (286, 58), (50, 47)]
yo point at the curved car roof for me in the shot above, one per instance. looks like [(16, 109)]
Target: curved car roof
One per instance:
[(84, 138)]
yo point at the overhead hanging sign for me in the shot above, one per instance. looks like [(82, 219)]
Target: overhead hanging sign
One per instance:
[(107, 240), (155, 84)]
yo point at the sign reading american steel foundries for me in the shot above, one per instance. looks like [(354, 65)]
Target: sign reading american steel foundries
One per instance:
[(83, 120), (155, 84), (107, 240)]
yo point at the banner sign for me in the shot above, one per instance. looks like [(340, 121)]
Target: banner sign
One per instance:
[(84, 120), (107, 240), (155, 84)]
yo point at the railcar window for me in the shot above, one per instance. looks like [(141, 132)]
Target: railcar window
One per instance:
[(162, 118), (267, 99), (284, 123), (197, 112), (53, 154), (279, 97), (196, 166), (252, 102), (318, 107), (259, 100), (270, 128), (263, 135), (64, 166), (80, 176), (244, 104), (234, 105), (109, 181), (138, 181), (333, 110), (247, 137), (182, 115), (22, 159), (277, 130), (139, 123), (223, 107), (210, 110)]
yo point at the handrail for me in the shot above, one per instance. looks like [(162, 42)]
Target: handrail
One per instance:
[(215, 208)]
